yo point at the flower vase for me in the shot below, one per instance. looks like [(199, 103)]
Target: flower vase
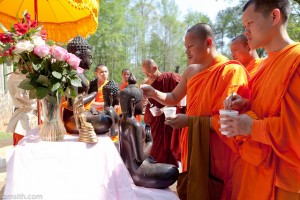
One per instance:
[(52, 128)]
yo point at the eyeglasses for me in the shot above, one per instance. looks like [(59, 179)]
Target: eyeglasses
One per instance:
[(191, 45)]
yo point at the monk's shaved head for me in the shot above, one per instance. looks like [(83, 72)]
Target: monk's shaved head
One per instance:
[(149, 63), (202, 30), (266, 6), (241, 38)]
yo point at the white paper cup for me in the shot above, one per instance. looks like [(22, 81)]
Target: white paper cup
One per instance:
[(182, 103), (169, 111), (154, 111), (229, 113)]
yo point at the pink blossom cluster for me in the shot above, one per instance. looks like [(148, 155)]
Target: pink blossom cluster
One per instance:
[(60, 54)]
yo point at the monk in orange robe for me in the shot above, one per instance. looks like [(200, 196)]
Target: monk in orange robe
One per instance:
[(101, 80), (270, 152), (101, 72), (208, 79), (241, 52), (125, 76)]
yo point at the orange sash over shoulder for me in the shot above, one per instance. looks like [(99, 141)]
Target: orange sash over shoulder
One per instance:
[(253, 66), (122, 86), (99, 96)]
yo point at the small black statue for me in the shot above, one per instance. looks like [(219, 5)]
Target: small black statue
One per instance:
[(110, 93), (136, 143)]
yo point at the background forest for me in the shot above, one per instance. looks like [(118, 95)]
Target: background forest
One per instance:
[(130, 31)]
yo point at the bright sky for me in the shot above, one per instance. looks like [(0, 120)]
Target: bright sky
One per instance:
[(208, 7)]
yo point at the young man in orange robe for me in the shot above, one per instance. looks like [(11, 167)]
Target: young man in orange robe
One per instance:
[(209, 78), (241, 52), (271, 153), (101, 72)]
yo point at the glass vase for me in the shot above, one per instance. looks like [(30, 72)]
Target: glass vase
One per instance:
[(52, 128)]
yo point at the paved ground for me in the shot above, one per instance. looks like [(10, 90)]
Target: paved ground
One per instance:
[(4, 144)]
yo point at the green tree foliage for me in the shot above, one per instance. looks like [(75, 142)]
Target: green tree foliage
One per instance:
[(294, 21), (107, 42), (228, 25), (130, 31)]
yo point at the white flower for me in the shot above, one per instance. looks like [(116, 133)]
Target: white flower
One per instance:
[(38, 40), (23, 45)]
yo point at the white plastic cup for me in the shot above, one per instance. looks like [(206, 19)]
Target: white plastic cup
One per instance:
[(169, 111), (154, 111), (229, 113), (182, 103)]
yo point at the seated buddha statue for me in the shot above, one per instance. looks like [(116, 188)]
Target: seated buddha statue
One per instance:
[(81, 48), (136, 143), (111, 99)]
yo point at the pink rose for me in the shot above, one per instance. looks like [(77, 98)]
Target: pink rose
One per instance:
[(59, 53), (80, 70), (73, 61), (42, 51)]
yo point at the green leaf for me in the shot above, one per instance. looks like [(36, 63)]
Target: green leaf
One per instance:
[(55, 87), (36, 67), (72, 73), (26, 85), (32, 94), (24, 71), (64, 72), (2, 59), (73, 93), (43, 80), (42, 92), (56, 74), (68, 92), (76, 82)]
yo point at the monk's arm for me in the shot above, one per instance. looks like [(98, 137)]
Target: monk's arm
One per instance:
[(282, 132), (171, 98)]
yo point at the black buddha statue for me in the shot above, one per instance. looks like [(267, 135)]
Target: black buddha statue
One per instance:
[(101, 123), (110, 93), (136, 143)]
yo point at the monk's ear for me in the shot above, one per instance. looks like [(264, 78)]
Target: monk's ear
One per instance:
[(276, 16), (209, 42), (155, 68)]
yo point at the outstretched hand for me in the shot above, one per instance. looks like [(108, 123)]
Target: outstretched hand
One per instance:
[(148, 90), (234, 102), (177, 121)]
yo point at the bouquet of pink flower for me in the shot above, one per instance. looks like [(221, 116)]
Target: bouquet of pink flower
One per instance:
[(49, 69)]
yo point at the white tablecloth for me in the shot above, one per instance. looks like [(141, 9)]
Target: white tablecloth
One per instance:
[(71, 170)]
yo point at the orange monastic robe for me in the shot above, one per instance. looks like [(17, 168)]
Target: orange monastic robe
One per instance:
[(122, 86), (206, 92), (271, 156), (99, 96), (252, 67)]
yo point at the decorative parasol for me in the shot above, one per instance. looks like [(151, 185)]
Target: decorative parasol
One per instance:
[(62, 19)]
